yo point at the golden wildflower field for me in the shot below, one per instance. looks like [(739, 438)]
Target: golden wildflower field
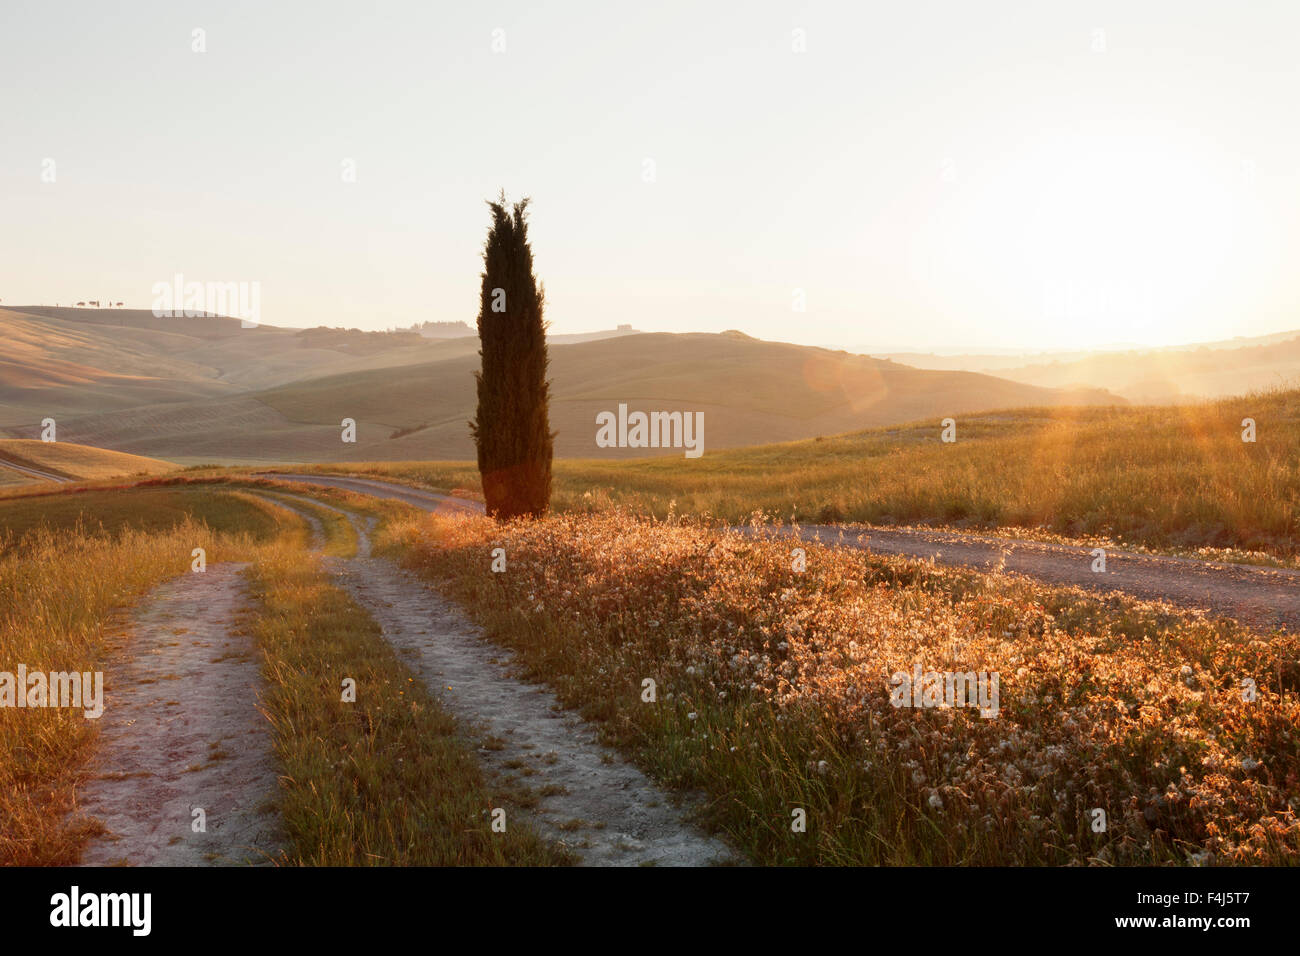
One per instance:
[(773, 695)]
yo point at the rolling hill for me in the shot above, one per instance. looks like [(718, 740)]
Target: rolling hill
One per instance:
[(1180, 373), (225, 394), (70, 361), (75, 461)]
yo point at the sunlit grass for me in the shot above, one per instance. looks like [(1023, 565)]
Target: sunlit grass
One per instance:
[(773, 695), (1176, 478), (142, 509), (384, 780)]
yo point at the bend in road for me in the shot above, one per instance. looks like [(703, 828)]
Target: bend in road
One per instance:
[(426, 500)]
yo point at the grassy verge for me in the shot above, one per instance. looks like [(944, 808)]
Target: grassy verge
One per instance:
[(384, 780), (774, 696)]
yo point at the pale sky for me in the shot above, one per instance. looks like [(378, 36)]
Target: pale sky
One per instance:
[(934, 175)]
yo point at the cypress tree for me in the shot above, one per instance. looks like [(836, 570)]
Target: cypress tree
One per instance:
[(511, 427)]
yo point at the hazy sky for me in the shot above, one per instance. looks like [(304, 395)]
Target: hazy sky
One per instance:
[(929, 174)]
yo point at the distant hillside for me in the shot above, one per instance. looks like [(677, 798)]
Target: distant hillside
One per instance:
[(573, 338), (456, 330), (65, 362), (750, 392), (78, 461), (77, 361), (444, 330), (463, 329), (1211, 370), (1169, 376)]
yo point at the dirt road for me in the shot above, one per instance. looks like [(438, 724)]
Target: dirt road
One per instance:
[(1257, 596)]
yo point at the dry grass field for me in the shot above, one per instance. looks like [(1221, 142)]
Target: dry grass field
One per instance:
[(1176, 477)]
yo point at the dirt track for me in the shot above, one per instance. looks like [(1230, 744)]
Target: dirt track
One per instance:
[(589, 799), (182, 730), (427, 500), (1257, 596)]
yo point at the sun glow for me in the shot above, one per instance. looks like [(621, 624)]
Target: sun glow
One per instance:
[(1099, 240)]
